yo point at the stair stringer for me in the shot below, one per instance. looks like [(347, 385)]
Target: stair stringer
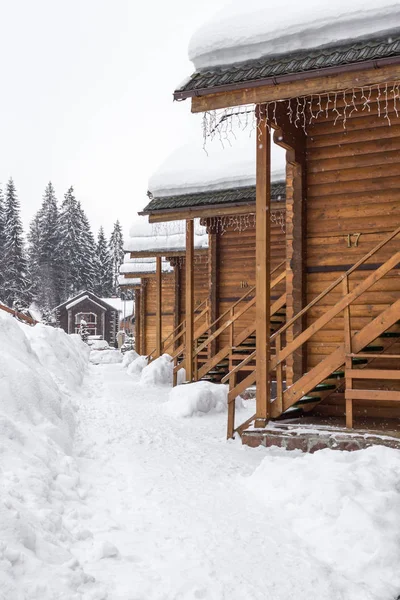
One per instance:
[(334, 361)]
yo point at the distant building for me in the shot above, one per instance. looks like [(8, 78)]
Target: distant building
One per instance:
[(101, 319), (126, 313)]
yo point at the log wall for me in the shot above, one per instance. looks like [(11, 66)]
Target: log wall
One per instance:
[(353, 189)]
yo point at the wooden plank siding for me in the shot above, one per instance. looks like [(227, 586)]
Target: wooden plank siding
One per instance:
[(168, 305), (353, 187), (236, 264)]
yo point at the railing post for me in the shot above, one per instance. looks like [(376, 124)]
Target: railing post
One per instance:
[(158, 307), (279, 376), (348, 360), (231, 336), (231, 407)]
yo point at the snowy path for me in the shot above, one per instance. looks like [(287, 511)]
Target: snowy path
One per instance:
[(170, 495)]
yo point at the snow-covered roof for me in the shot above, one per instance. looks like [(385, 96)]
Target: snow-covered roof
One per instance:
[(143, 265), (190, 169), (124, 281), (122, 306), (80, 299), (256, 29), (170, 236)]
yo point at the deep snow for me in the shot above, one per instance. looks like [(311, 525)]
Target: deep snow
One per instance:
[(254, 29), (151, 503)]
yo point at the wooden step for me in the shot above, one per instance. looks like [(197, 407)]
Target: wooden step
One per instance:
[(372, 348), (390, 334), (308, 400), (324, 387)]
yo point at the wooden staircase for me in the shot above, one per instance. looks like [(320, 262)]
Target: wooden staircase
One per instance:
[(345, 365), (213, 365)]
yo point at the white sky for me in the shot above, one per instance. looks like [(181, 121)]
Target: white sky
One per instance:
[(86, 98)]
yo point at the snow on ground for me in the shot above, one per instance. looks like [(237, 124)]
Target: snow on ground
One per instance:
[(257, 28), (151, 506)]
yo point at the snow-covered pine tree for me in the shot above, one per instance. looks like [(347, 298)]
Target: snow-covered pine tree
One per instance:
[(2, 246), (104, 274), (117, 253), (68, 251), (34, 246), (16, 285), (87, 252), (47, 251)]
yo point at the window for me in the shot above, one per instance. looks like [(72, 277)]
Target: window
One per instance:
[(90, 318)]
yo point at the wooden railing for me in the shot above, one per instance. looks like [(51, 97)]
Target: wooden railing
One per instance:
[(170, 341), (287, 397), (18, 315), (226, 322)]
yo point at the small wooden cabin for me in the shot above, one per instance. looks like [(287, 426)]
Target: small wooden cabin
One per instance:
[(229, 217), (335, 110), (100, 317)]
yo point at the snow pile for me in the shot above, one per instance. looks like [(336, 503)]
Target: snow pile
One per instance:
[(105, 357), (196, 398), (39, 369), (159, 372), (163, 236), (136, 367), (189, 169), (129, 357), (143, 265), (343, 507), (99, 345), (254, 29)]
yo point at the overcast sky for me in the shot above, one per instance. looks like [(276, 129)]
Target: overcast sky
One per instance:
[(86, 97)]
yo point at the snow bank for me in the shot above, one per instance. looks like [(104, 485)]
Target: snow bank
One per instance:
[(199, 397), (129, 357), (40, 367), (190, 169), (344, 508), (254, 29), (106, 357), (136, 367), (158, 372)]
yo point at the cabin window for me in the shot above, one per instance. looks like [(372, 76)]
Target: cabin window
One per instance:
[(90, 320)]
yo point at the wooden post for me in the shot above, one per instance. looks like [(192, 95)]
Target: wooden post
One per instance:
[(189, 299), (158, 307), (137, 322), (263, 267), (213, 270), (177, 299), (143, 298), (348, 361), (296, 364)]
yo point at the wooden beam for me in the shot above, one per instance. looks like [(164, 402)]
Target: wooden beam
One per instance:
[(263, 268), (293, 89), (158, 306), (154, 253), (189, 299), (160, 216), (213, 272), (137, 322), (143, 298), (177, 300)]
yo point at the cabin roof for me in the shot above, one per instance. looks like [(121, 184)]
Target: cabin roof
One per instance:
[(85, 295), (378, 50), (218, 197)]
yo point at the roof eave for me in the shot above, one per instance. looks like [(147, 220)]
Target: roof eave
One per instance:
[(289, 78)]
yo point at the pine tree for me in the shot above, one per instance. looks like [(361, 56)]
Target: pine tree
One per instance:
[(34, 246), (16, 289), (2, 246), (117, 253), (87, 252), (104, 274), (68, 259), (48, 217)]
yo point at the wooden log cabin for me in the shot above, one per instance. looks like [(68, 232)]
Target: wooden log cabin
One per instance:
[(334, 108), (155, 262), (227, 210)]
